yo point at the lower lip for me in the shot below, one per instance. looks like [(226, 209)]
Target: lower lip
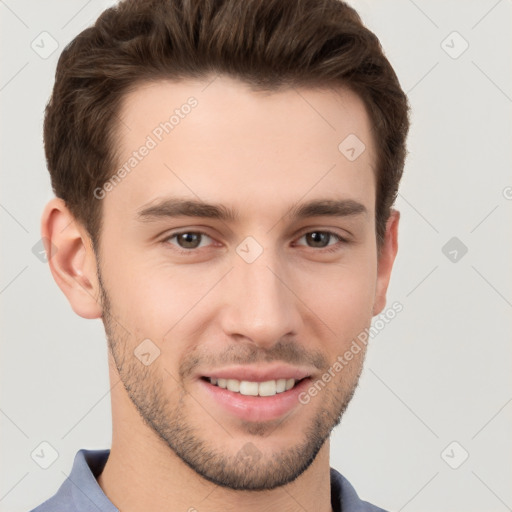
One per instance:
[(256, 408)]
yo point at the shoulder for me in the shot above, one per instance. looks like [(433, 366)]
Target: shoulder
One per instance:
[(344, 497), (80, 490), (62, 500)]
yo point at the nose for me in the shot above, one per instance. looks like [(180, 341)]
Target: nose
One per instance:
[(259, 303)]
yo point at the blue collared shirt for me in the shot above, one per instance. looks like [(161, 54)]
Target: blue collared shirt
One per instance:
[(80, 492)]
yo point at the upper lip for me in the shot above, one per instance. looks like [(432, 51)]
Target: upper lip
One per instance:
[(258, 373)]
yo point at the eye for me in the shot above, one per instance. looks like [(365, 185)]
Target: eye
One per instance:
[(188, 240), (321, 239)]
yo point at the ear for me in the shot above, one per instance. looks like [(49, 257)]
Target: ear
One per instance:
[(71, 258), (385, 262)]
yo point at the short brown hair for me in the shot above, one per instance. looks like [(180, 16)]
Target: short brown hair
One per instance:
[(267, 44)]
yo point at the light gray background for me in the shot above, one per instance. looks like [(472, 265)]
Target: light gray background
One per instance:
[(439, 372)]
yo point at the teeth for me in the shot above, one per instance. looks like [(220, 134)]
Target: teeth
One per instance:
[(267, 388), (280, 385), (289, 384), (233, 385), (249, 388), (245, 387)]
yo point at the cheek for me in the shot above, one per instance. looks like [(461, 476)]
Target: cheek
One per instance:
[(156, 301), (343, 296)]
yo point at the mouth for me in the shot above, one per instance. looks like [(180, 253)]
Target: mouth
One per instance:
[(253, 388), (253, 401)]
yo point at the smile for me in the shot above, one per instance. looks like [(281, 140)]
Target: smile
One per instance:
[(249, 388)]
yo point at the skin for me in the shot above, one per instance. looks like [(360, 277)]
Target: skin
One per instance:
[(259, 153)]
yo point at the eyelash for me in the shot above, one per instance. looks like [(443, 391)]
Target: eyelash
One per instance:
[(328, 249)]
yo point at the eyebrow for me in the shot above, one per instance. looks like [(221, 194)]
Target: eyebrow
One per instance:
[(177, 207)]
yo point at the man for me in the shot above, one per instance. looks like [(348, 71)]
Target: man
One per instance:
[(225, 173)]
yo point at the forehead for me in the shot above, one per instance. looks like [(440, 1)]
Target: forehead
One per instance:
[(219, 140)]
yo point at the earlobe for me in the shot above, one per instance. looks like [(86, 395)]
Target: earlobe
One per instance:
[(71, 258), (385, 262)]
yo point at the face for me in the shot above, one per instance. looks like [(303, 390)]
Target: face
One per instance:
[(271, 282)]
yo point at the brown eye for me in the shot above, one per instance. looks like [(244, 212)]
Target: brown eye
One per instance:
[(318, 238), (187, 240), (321, 239)]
